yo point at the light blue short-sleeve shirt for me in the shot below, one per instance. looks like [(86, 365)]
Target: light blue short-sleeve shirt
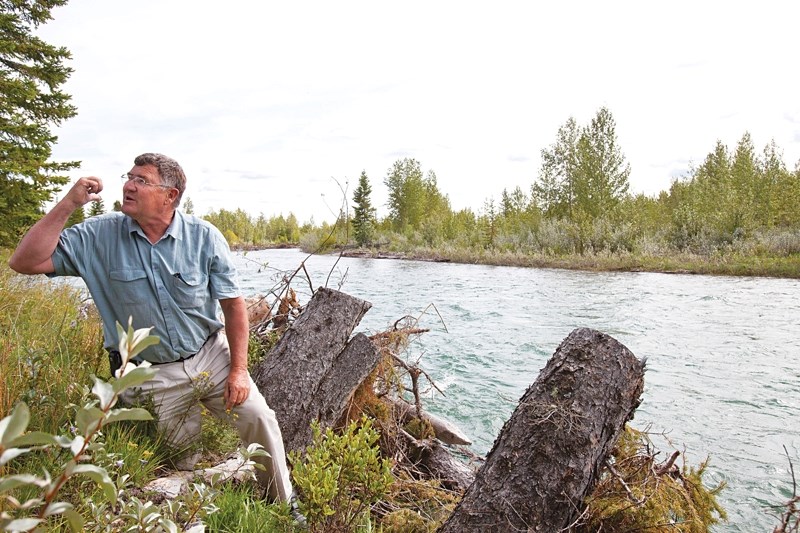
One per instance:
[(172, 286)]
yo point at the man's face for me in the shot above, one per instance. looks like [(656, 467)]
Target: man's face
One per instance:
[(148, 199)]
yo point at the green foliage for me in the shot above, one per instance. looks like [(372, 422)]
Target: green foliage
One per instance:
[(340, 477), (80, 446), (241, 511), (47, 333), (415, 202), (639, 494), (98, 208), (584, 173), (363, 212), (31, 74), (239, 227)]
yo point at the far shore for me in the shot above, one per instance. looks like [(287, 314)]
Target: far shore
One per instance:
[(777, 267)]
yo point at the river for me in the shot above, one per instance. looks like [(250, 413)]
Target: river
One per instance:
[(722, 352)]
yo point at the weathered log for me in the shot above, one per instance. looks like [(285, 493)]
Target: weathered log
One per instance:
[(445, 431), (296, 375), (437, 462), (549, 454)]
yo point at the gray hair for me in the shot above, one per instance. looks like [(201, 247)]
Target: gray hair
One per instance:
[(170, 171)]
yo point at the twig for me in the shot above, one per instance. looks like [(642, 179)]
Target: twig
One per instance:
[(638, 501)]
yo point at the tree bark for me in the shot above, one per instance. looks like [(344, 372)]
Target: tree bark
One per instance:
[(549, 454), (437, 462), (313, 369)]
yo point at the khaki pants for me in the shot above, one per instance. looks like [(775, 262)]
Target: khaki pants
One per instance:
[(178, 390)]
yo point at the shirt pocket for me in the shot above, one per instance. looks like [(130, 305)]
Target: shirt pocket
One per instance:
[(129, 285), (189, 289)]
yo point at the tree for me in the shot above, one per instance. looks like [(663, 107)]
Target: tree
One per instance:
[(188, 206), (31, 102), (553, 192), (406, 194), (117, 206), (584, 174), (363, 212), (98, 208), (602, 170)]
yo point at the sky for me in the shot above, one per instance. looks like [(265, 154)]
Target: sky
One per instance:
[(278, 107)]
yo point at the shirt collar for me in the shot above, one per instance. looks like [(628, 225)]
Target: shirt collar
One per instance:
[(174, 230)]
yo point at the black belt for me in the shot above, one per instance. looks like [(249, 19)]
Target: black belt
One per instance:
[(115, 360), (187, 357)]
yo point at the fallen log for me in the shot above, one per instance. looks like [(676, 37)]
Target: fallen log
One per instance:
[(445, 431), (549, 454), (437, 462), (314, 368)]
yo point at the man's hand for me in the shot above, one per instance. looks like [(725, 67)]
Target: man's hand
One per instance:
[(237, 388), (84, 191)]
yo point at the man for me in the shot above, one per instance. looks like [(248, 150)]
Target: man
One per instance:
[(166, 270)]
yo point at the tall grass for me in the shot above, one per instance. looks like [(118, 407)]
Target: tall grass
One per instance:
[(51, 342)]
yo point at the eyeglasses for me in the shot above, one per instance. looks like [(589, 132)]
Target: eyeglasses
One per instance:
[(141, 182)]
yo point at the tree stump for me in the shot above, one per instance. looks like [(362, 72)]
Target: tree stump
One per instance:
[(549, 454), (314, 368)]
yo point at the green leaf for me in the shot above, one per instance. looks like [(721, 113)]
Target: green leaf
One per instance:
[(77, 445), (11, 454), (75, 520), (11, 482), (34, 438), (135, 413), (104, 391), (14, 424), (99, 476), (87, 418), (134, 378), (22, 524), (57, 508), (143, 342)]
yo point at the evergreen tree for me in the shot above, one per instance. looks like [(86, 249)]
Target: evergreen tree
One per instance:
[(98, 208), (363, 212), (31, 102), (117, 206)]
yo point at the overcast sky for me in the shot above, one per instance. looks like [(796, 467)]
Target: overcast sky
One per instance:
[(268, 104)]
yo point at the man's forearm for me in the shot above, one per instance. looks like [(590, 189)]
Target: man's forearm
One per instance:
[(237, 330), (32, 255)]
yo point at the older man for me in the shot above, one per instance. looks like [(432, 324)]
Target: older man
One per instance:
[(167, 270)]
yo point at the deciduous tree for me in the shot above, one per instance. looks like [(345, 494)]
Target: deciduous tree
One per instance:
[(584, 174)]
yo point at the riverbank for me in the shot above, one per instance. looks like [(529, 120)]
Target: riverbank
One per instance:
[(721, 265)]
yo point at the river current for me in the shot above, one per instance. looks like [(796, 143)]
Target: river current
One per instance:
[(722, 377)]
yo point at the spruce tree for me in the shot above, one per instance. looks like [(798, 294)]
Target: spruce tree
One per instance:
[(98, 208), (31, 103), (364, 213)]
